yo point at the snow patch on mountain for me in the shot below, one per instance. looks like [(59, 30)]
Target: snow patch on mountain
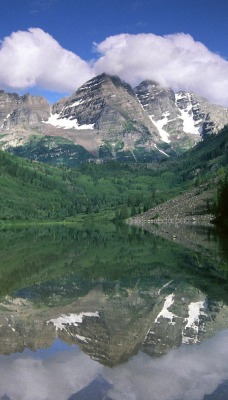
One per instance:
[(195, 310), (72, 319), (164, 286), (66, 123), (187, 113), (76, 103), (92, 83), (82, 338), (165, 313), (161, 151), (160, 124)]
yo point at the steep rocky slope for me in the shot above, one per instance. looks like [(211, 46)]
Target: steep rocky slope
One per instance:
[(20, 117), (112, 328), (182, 118), (106, 119), (107, 110), (189, 207)]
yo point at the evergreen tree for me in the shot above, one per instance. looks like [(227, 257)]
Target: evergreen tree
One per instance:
[(221, 210)]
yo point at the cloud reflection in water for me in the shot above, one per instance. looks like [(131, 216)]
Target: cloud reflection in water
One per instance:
[(186, 373)]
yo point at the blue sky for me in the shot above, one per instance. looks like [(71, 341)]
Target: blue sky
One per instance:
[(75, 25)]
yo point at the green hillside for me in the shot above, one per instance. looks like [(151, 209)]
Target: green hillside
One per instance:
[(205, 158), (40, 192), (36, 191)]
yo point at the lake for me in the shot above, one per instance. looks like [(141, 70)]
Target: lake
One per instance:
[(113, 313)]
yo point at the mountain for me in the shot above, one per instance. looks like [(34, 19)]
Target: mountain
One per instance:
[(21, 116), (182, 118), (106, 119), (112, 327)]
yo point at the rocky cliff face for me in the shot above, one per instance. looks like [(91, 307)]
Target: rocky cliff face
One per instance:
[(112, 327), (21, 117), (183, 118), (106, 119), (17, 112), (108, 110)]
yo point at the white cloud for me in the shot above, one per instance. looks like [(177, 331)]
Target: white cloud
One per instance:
[(34, 58), (53, 378), (186, 373), (175, 60)]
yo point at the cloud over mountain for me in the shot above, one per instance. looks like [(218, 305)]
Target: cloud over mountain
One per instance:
[(175, 61), (35, 58)]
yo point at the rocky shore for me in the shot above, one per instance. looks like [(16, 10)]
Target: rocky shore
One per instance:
[(184, 219), (190, 207)]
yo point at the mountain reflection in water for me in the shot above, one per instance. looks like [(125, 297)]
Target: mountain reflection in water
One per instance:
[(109, 313)]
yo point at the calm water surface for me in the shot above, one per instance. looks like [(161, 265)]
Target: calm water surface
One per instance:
[(113, 313)]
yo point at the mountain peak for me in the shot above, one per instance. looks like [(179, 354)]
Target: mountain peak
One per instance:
[(148, 83), (104, 79), (109, 119)]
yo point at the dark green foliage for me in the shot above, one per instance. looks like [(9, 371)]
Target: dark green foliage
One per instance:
[(206, 157), (35, 191), (221, 207), (47, 264), (105, 151), (129, 126), (32, 190)]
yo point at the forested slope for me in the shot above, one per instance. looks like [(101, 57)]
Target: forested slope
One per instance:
[(34, 191)]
